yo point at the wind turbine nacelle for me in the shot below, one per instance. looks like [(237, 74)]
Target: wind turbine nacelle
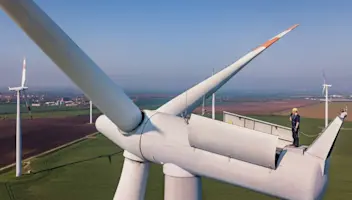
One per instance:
[(18, 88), (198, 148)]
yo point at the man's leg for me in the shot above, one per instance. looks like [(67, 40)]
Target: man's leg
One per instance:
[(294, 137), (295, 140), (297, 137)]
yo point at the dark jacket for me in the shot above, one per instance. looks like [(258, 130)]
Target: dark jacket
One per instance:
[(295, 119)]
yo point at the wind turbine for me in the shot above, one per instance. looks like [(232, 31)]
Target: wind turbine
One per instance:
[(18, 90), (326, 93), (90, 112), (203, 106), (213, 104), (186, 149)]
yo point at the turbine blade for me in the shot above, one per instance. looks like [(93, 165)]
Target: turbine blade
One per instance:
[(193, 96), (324, 78), (95, 84), (27, 104), (133, 180), (23, 82), (324, 144)]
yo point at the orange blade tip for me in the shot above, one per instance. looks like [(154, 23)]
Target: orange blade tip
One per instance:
[(293, 27)]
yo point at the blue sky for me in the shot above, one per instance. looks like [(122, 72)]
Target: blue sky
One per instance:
[(174, 44)]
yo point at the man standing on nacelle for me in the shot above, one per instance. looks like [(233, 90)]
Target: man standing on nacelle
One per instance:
[(295, 119)]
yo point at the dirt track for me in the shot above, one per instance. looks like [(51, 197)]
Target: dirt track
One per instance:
[(41, 134)]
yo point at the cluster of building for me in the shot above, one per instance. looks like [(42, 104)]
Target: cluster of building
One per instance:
[(37, 100), (64, 101), (334, 97)]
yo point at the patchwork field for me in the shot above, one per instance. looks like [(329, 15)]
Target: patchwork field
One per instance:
[(259, 107), (52, 127), (41, 134), (84, 171), (318, 110)]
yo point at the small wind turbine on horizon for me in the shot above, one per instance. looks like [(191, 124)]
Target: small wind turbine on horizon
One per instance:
[(203, 106), (213, 103), (90, 112), (326, 93), (18, 90)]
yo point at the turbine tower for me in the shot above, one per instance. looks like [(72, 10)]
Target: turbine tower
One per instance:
[(326, 93), (90, 112), (203, 106), (213, 103), (187, 149), (19, 90)]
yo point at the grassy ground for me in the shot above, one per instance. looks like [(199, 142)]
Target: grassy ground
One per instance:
[(83, 171)]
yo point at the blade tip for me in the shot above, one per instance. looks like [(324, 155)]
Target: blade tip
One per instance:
[(293, 27), (24, 63), (276, 38)]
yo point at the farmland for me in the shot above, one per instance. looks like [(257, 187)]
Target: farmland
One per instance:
[(84, 171), (41, 134), (318, 110), (266, 107), (8, 111), (53, 126)]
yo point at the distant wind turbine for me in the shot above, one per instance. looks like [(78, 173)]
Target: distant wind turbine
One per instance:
[(213, 103), (325, 91), (18, 90), (90, 112), (203, 106)]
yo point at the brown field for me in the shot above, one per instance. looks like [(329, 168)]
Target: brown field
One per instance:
[(262, 108), (318, 110), (41, 134)]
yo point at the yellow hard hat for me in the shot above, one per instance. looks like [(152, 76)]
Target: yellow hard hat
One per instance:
[(294, 109)]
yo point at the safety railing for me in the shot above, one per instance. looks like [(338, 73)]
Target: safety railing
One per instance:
[(284, 133)]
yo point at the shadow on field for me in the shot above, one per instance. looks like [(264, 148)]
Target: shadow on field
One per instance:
[(9, 191), (77, 162)]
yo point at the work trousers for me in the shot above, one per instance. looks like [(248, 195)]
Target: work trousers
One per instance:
[(295, 137)]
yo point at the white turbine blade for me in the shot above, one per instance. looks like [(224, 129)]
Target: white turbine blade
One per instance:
[(23, 82), (194, 95), (323, 145), (133, 180), (105, 94), (324, 88), (324, 77)]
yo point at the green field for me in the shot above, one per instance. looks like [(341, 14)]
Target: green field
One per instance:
[(83, 171), (9, 110)]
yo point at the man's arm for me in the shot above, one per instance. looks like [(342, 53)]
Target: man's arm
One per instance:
[(291, 117), (298, 120)]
